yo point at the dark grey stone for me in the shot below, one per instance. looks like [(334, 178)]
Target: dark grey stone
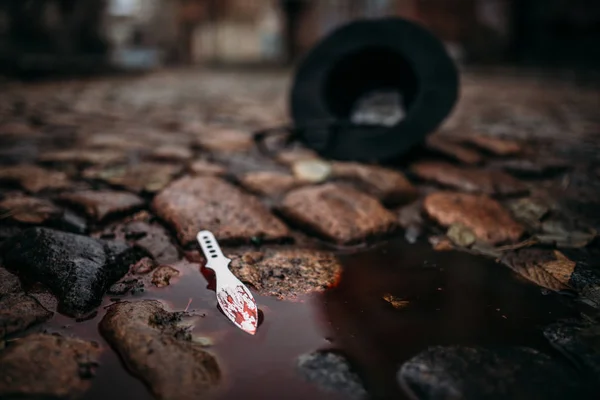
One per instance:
[(580, 342), (331, 372), (77, 269), (458, 372)]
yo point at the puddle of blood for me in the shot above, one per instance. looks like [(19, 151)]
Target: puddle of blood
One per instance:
[(453, 298)]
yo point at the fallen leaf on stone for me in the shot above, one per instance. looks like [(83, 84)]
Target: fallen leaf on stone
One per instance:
[(395, 301), (313, 171), (549, 269), (460, 235), (561, 268)]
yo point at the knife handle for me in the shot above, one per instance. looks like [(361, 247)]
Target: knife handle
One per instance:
[(210, 247)]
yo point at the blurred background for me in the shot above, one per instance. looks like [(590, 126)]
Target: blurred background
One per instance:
[(50, 36)]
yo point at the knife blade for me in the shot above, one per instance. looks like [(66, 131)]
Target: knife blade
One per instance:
[(233, 296)]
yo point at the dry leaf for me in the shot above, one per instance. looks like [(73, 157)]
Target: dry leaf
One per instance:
[(441, 243), (395, 301), (561, 268), (546, 268)]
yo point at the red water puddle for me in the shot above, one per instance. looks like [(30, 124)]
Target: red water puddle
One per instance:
[(453, 299)]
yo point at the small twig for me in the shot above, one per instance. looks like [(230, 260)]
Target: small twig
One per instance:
[(188, 305)]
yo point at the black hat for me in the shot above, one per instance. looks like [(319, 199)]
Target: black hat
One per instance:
[(365, 56)]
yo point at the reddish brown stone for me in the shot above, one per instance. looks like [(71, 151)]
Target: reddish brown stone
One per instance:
[(453, 150), (172, 153), (100, 204), (83, 156), (268, 183), (33, 178), (193, 204), (500, 147), (286, 273), (17, 129), (338, 213), (387, 185), (144, 266), (225, 140), (159, 350), (30, 210), (290, 157), (47, 366), (202, 167), (488, 220), (145, 176), (469, 179), (19, 312)]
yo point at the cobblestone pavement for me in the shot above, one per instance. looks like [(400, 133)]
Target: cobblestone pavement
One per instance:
[(105, 182)]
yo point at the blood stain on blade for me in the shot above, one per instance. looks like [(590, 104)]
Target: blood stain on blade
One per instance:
[(240, 307)]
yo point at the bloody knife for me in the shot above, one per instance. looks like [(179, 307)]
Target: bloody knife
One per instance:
[(235, 299)]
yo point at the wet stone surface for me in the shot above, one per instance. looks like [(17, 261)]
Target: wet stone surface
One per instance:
[(338, 213), (580, 342), (148, 338), (331, 372), (491, 373), (85, 156), (286, 273), (47, 366), (226, 211), (77, 269)]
